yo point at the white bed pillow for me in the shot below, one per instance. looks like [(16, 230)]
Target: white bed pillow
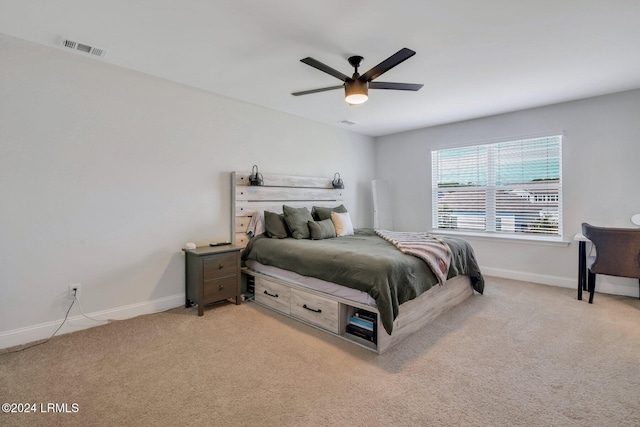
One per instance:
[(342, 223)]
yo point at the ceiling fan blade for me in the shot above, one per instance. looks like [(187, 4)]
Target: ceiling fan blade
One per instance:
[(322, 67), (323, 89), (395, 86), (395, 59)]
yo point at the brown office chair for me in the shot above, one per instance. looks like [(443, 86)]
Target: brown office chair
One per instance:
[(617, 253)]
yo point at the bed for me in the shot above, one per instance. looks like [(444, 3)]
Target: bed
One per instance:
[(330, 282)]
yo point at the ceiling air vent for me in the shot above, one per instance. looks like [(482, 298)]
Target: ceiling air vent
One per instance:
[(348, 122), (81, 47)]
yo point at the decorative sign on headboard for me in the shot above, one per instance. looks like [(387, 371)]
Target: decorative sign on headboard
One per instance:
[(278, 190)]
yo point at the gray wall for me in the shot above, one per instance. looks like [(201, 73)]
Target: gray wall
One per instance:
[(105, 173), (601, 149)]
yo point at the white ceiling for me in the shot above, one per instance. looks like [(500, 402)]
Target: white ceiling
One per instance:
[(475, 58)]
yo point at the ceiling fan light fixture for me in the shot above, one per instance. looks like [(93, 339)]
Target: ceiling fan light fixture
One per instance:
[(357, 87), (356, 92)]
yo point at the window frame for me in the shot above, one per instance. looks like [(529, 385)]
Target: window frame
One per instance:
[(491, 189)]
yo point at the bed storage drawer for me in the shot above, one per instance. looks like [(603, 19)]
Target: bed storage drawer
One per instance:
[(315, 309), (273, 295)]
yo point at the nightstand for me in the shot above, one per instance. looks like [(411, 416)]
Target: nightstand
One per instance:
[(212, 274)]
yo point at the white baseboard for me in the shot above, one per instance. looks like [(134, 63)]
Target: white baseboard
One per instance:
[(544, 279), (604, 284), (76, 323)]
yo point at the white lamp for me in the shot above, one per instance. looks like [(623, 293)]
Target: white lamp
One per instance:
[(636, 219)]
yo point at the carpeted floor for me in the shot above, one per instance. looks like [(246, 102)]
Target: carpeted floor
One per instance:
[(520, 355)]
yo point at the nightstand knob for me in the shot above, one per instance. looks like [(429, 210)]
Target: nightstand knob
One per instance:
[(221, 287), (221, 266)]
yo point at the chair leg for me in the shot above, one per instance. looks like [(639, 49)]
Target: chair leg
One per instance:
[(591, 284)]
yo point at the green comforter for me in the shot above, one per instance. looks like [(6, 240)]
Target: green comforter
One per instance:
[(365, 262)]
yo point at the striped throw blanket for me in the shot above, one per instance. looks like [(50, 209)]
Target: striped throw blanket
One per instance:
[(433, 251)]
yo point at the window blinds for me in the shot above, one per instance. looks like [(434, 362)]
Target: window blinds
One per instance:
[(512, 187)]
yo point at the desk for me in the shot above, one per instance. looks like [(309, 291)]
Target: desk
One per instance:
[(582, 263)]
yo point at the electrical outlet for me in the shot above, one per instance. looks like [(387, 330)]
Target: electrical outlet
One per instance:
[(74, 290)]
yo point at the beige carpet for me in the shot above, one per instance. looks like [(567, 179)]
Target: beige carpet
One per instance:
[(520, 355)]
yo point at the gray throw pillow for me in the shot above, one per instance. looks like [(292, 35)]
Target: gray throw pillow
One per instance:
[(275, 226), (321, 213), (297, 219), (322, 229)]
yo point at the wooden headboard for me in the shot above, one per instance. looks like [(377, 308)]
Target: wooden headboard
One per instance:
[(278, 190)]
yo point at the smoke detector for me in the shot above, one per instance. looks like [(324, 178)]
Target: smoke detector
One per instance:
[(83, 48)]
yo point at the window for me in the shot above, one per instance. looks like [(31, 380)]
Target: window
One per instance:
[(506, 188)]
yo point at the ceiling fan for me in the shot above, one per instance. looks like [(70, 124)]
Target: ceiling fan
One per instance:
[(356, 87)]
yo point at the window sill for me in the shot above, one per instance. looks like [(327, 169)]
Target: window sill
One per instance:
[(504, 238)]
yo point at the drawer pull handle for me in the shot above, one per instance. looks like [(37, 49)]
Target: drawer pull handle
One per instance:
[(311, 309), (221, 287), (221, 266), (271, 295)]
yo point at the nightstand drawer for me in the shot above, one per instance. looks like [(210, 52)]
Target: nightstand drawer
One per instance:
[(220, 289), (220, 265), (273, 295), (315, 309)]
